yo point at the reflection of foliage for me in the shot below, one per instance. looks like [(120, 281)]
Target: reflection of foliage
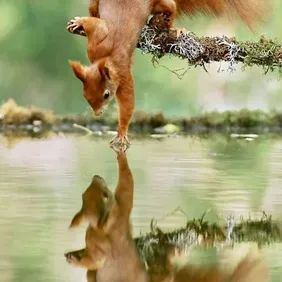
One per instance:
[(229, 151), (202, 233), (242, 162), (10, 138), (263, 231)]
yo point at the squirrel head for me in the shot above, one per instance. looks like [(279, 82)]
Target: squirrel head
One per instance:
[(97, 203), (99, 83)]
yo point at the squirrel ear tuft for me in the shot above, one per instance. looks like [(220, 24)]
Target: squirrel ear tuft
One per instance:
[(78, 69), (77, 219), (107, 72), (104, 69)]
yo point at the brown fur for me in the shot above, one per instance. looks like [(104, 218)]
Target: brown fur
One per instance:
[(113, 37), (110, 253), (97, 202), (248, 269), (249, 11), (94, 8)]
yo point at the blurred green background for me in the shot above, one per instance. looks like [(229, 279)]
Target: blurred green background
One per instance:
[(35, 49)]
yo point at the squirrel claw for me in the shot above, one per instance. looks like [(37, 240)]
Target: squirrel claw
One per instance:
[(74, 24), (121, 142), (71, 258)]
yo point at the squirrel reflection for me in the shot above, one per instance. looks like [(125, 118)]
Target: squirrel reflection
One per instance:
[(111, 253), (162, 269)]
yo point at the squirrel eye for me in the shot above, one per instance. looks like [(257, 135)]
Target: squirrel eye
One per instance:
[(106, 94), (105, 196)]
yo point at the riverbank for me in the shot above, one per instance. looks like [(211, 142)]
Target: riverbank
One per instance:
[(32, 120)]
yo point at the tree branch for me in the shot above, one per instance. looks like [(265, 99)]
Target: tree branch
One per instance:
[(158, 40)]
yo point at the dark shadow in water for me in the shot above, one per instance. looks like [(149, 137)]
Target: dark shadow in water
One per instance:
[(110, 245)]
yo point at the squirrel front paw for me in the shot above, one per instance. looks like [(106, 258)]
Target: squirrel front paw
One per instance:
[(74, 257), (120, 142), (75, 24)]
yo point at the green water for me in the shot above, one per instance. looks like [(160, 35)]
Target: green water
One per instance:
[(41, 182)]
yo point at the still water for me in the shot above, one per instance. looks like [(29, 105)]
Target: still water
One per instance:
[(41, 182)]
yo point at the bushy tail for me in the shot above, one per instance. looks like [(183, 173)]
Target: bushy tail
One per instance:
[(250, 269), (249, 11)]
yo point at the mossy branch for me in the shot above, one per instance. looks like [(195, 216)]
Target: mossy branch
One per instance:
[(156, 39)]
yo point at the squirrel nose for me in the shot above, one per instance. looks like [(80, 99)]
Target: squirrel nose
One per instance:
[(98, 112), (97, 177)]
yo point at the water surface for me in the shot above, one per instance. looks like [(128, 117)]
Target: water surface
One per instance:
[(41, 182)]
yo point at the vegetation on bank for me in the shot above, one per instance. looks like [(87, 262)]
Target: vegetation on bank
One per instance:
[(17, 118)]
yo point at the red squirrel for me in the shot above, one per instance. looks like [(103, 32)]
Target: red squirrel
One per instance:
[(113, 30), (110, 253)]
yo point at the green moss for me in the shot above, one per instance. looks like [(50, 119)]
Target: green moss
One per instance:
[(266, 53)]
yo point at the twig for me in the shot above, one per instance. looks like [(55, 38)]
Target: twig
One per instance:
[(88, 131)]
